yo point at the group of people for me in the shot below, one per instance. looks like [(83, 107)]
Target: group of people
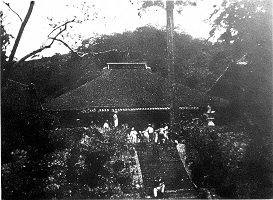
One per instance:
[(106, 125), (151, 135), (160, 135)]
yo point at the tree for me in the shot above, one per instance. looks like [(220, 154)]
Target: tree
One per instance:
[(57, 34), (5, 38), (223, 158), (174, 107), (193, 57), (25, 129), (249, 50), (240, 22), (247, 54), (25, 125)]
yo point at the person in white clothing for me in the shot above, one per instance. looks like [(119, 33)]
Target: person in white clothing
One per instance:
[(159, 188), (106, 126), (155, 136), (161, 137), (133, 135), (115, 117), (150, 131), (146, 135), (166, 132)]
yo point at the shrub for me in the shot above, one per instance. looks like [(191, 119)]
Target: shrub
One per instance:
[(235, 163), (89, 164)]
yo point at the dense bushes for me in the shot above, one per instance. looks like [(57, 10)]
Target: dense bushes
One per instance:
[(88, 164), (25, 143), (84, 164), (235, 163), (39, 163)]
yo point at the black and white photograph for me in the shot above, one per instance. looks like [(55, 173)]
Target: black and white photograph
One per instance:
[(136, 99)]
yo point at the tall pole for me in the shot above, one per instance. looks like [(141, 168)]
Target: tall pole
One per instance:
[(171, 71)]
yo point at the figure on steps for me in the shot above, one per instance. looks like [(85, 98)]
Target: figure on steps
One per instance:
[(149, 133), (106, 126), (133, 135), (159, 188), (115, 118)]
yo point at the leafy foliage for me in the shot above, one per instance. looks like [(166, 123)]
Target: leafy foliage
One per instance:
[(145, 5), (242, 22), (82, 163), (79, 12), (247, 56), (88, 164), (235, 163), (40, 163), (25, 142), (193, 57), (56, 75), (5, 37)]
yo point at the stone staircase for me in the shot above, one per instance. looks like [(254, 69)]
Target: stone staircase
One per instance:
[(163, 160)]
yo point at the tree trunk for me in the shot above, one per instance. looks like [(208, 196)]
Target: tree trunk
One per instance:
[(8, 66), (23, 25), (174, 109)]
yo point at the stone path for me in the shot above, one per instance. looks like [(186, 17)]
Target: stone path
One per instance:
[(163, 160)]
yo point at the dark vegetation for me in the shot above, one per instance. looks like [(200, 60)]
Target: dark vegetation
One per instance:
[(234, 158), (234, 162), (89, 164), (25, 143), (60, 73), (39, 161)]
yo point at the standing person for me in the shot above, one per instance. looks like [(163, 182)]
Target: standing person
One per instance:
[(106, 126), (161, 134), (159, 188), (155, 137), (133, 135), (146, 136), (115, 117), (140, 137), (150, 131), (166, 132)]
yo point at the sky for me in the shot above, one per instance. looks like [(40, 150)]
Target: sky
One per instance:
[(113, 16)]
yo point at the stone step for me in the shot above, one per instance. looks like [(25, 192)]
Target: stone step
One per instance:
[(181, 194), (164, 161)]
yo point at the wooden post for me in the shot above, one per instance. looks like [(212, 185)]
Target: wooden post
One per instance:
[(174, 109)]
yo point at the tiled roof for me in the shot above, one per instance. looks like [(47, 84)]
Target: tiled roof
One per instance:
[(127, 88)]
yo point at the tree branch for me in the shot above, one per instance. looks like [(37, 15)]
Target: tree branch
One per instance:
[(65, 44), (217, 79), (29, 55), (7, 4), (21, 31), (11, 67), (61, 31), (44, 47), (64, 24)]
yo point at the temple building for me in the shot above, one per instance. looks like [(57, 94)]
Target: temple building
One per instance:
[(131, 91)]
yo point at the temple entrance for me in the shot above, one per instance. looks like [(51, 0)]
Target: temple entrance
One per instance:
[(140, 119)]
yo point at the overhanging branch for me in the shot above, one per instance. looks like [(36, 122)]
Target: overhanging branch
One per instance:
[(29, 55), (7, 4), (45, 47), (64, 24), (65, 44)]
